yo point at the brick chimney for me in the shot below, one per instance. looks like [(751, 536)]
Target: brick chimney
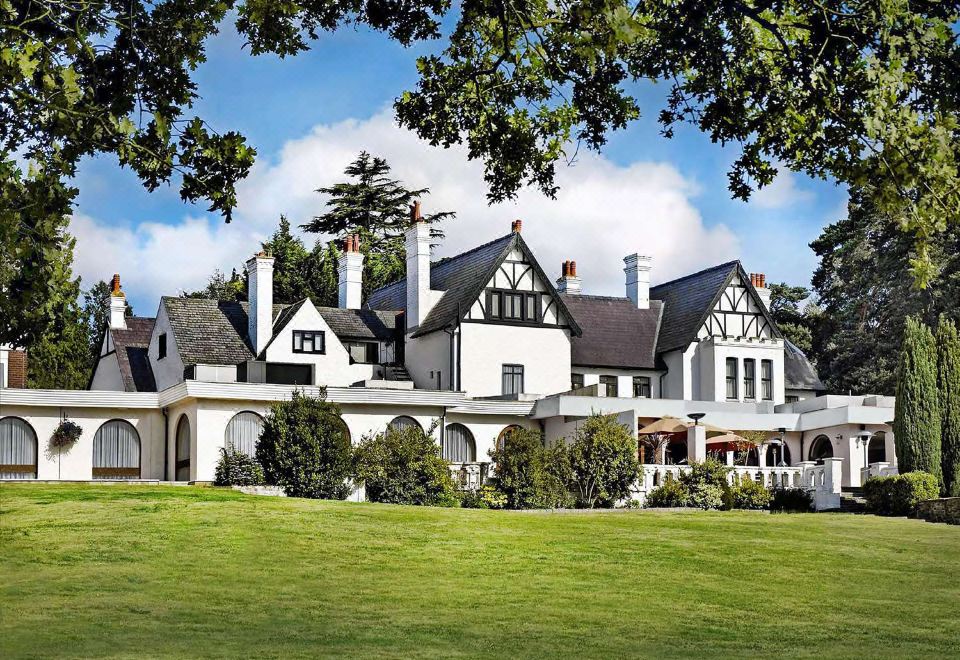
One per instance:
[(569, 283), (516, 226), (260, 295), (417, 243), (16, 369), (759, 282), (350, 274), (637, 270), (118, 305)]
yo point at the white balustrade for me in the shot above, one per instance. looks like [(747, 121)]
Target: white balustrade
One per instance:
[(468, 476), (879, 469)]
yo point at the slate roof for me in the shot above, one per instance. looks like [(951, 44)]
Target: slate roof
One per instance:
[(615, 333), (462, 278), (798, 372), (215, 332), (131, 345), (688, 301)]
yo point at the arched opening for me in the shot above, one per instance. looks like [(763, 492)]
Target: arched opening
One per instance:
[(243, 432), (18, 449), (402, 423), (513, 428), (821, 448), (458, 444), (116, 451), (345, 430), (877, 449), (777, 453), (182, 459)]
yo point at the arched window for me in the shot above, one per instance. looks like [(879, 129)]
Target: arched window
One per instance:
[(458, 444), (116, 451), (183, 449), (345, 429), (877, 450), (777, 453), (403, 422), (243, 432), (821, 448), (18, 449), (505, 432)]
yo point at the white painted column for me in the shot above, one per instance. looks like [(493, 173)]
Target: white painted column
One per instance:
[(696, 443)]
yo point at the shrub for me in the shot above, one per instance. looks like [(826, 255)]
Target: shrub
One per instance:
[(748, 494), (791, 500), (917, 426), (237, 468), (304, 448), (404, 466), (603, 462), (524, 475), (706, 484), (671, 493), (948, 382), (65, 435), (485, 497), (900, 494)]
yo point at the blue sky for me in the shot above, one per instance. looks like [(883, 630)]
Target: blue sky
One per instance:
[(309, 114)]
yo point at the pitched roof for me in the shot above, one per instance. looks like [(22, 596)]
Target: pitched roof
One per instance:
[(798, 372), (215, 332), (462, 278), (615, 333), (131, 345), (688, 301)]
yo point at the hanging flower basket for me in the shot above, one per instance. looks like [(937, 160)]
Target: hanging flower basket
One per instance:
[(66, 434)]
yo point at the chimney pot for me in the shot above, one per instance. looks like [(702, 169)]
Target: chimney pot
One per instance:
[(568, 282), (516, 226), (118, 305), (573, 269), (415, 215)]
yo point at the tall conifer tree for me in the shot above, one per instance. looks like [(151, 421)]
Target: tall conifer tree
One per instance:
[(948, 363), (917, 426)]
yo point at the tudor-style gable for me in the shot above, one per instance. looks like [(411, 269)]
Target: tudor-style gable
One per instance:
[(738, 313)]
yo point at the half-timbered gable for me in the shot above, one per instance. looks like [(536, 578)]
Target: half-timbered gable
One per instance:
[(738, 314)]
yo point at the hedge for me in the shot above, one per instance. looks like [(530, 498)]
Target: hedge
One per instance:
[(900, 494)]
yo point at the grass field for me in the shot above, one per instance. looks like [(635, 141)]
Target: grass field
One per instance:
[(122, 571)]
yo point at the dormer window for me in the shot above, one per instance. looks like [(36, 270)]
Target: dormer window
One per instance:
[(309, 341), (162, 346)]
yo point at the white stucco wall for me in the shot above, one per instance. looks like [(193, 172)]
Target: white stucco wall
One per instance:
[(425, 356), (543, 352), (168, 371), (76, 462), (713, 368), (591, 376), (107, 376)]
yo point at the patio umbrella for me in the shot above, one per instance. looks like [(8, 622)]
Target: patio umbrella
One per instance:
[(724, 438), (664, 425)]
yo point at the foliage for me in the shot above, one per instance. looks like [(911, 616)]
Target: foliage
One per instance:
[(670, 494), (917, 415), (403, 466), (791, 500), (794, 322), (948, 381), (602, 461), (865, 292), (899, 495), (748, 494), (237, 468), (304, 448), (220, 288), (65, 435), (705, 483), (485, 497), (377, 209), (523, 472)]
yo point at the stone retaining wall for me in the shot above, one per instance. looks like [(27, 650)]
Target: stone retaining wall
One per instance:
[(946, 510)]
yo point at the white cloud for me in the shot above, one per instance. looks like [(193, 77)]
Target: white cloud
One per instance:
[(603, 212), (782, 192)]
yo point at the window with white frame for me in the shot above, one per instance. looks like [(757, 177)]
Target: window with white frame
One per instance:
[(766, 379), (309, 341), (749, 378), (641, 387), (732, 378)]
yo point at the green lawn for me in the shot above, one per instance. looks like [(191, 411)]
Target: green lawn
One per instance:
[(177, 571)]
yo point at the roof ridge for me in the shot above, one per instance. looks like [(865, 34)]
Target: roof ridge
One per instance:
[(728, 264)]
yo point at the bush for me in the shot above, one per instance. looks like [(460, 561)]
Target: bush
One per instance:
[(524, 474), (602, 462), (706, 484), (404, 466), (304, 448), (748, 494), (671, 493), (900, 494), (237, 468), (485, 497), (791, 500)]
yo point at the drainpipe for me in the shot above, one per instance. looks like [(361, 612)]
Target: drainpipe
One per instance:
[(166, 441)]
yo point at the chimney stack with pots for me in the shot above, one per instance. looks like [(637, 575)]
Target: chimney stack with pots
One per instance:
[(260, 296), (637, 270), (118, 305), (516, 226), (350, 281), (569, 283), (418, 268), (759, 282)]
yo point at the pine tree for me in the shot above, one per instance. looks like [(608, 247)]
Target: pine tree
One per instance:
[(377, 208), (917, 419), (948, 362)]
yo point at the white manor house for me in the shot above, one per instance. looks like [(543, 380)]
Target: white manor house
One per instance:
[(484, 341)]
